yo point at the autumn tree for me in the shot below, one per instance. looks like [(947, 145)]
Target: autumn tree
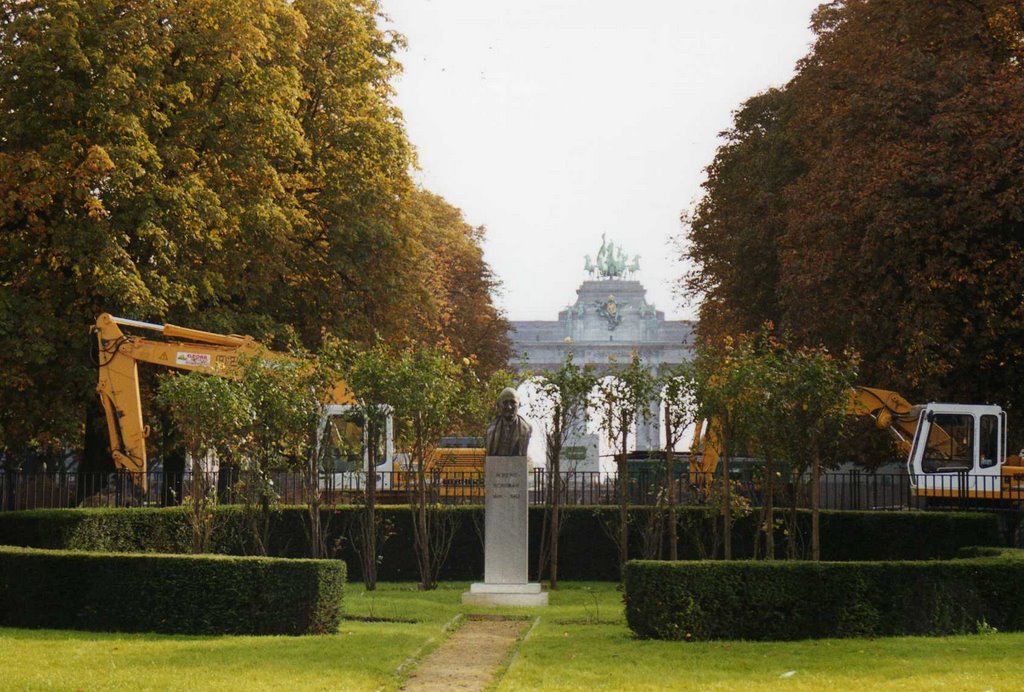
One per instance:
[(893, 200), (451, 286), (734, 229), (912, 194), (233, 166)]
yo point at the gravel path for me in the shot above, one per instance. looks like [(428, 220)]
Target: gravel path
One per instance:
[(469, 658)]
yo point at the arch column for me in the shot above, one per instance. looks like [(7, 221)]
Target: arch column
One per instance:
[(648, 432)]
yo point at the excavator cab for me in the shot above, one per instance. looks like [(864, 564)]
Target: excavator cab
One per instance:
[(345, 453), (958, 451)]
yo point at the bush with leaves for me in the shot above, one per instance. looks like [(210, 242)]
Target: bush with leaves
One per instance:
[(560, 403), (623, 399), (209, 413)]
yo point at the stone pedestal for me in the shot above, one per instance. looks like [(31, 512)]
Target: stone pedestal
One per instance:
[(506, 538)]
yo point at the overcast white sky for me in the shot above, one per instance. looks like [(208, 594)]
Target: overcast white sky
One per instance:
[(551, 122)]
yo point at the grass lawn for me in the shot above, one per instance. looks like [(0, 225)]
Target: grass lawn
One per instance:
[(580, 642)]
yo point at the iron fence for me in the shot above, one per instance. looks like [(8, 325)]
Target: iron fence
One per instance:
[(850, 490)]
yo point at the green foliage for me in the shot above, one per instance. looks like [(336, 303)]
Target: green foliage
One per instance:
[(426, 388), (479, 396), (623, 396), (587, 552), (427, 394), (802, 600), (369, 374), (284, 405), (678, 393), (784, 403), (169, 593), (561, 401), (209, 413)]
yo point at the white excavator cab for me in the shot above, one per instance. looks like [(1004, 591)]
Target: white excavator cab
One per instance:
[(958, 451), (345, 448)]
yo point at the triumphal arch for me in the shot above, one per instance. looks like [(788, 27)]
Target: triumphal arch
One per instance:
[(609, 320)]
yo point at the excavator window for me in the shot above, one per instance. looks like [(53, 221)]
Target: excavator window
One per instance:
[(950, 443), (989, 442), (343, 444)]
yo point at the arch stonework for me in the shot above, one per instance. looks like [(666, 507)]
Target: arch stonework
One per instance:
[(610, 319)]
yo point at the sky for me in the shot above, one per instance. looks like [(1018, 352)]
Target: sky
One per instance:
[(552, 122)]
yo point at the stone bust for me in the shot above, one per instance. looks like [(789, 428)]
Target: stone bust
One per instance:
[(508, 435)]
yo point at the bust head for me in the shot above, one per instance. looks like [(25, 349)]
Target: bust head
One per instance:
[(508, 403)]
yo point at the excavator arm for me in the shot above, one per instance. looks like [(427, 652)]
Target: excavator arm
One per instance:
[(889, 410), (118, 387)]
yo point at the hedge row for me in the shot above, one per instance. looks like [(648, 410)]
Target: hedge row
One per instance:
[(169, 593), (587, 548), (758, 600)]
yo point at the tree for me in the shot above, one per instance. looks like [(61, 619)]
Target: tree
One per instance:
[(770, 429), (234, 166), (451, 286), (560, 403), (734, 229), (894, 199), (815, 390), (350, 249), (209, 413), (678, 387), (622, 399), (284, 399), (910, 194), (370, 375), (729, 404), (427, 393)]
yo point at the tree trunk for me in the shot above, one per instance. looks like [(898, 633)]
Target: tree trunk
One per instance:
[(726, 506), (542, 552), (200, 501), (370, 518), (421, 532), (769, 508), (316, 534), (815, 505), (623, 467), (555, 464), (670, 467)]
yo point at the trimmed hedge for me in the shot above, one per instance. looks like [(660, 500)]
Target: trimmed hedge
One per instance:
[(587, 549), (806, 600), (169, 593)]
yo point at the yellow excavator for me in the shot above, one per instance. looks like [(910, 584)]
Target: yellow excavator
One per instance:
[(954, 451), (182, 349)]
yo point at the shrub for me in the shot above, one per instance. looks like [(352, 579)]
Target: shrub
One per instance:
[(587, 549), (169, 593), (807, 600)]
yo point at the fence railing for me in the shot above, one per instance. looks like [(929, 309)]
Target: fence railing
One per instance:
[(850, 490)]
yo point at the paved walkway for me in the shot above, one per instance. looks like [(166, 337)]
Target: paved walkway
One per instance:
[(469, 659)]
